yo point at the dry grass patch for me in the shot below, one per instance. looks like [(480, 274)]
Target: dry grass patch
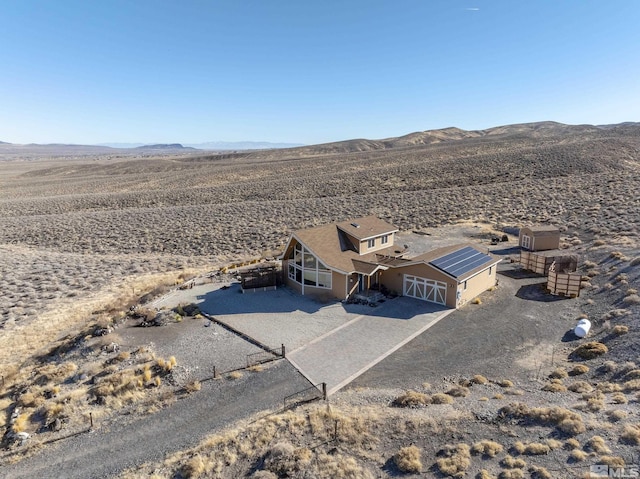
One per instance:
[(608, 387), (631, 299), (285, 460), (571, 443), (619, 398), (631, 434), (633, 374), (553, 443), (454, 460), (620, 329), (484, 474), (511, 462), (608, 367), (616, 415), (613, 461), (555, 386), (531, 449), (407, 459), (234, 375), (593, 404), (566, 421), (458, 391), (590, 350), (487, 448), (193, 386), (577, 455), (412, 399), (511, 474), (580, 387), (629, 386), (195, 467), (21, 422), (55, 372), (504, 383), (441, 398), (597, 444), (539, 472), (559, 373), (479, 379)]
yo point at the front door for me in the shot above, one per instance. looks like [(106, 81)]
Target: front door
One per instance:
[(361, 287)]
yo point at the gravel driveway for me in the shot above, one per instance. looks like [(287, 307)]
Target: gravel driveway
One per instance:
[(513, 326)]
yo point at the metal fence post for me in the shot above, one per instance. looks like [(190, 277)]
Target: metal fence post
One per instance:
[(214, 372), (283, 350), (91, 419), (324, 391)]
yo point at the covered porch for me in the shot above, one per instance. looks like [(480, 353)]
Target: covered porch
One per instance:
[(368, 282)]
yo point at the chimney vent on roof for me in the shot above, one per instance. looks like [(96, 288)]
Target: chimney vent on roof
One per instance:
[(355, 225)]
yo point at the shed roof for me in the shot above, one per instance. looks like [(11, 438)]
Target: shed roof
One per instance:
[(543, 230)]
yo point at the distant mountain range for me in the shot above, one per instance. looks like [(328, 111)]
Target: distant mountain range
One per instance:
[(430, 137), (418, 138), (210, 145)]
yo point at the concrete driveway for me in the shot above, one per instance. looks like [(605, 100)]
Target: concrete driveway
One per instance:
[(343, 354), (330, 342)]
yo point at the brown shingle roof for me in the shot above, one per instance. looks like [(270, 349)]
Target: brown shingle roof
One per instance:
[(333, 249), (364, 267), (367, 227)]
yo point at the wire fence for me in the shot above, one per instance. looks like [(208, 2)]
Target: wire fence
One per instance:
[(312, 393)]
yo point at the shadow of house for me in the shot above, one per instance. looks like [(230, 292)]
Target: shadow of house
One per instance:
[(231, 301), (519, 273), (538, 292), (506, 251)]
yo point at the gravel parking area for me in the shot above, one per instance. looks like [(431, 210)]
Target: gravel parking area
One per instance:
[(511, 335), (197, 344)]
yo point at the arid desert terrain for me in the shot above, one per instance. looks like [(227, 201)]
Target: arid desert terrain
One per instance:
[(85, 236)]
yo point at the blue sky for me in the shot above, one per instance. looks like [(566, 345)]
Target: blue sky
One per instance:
[(309, 72)]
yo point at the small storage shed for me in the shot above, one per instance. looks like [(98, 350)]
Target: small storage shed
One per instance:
[(539, 238)]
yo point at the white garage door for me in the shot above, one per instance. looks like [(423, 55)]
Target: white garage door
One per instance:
[(425, 289)]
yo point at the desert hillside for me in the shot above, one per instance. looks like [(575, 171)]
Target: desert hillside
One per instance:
[(85, 235)]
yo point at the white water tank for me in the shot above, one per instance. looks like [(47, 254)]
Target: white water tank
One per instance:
[(582, 328)]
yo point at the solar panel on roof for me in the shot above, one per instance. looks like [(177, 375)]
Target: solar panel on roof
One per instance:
[(460, 262)]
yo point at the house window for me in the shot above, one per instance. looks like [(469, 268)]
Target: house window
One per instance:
[(464, 286), (490, 270), (385, 239), (308, 270), (371, 243)]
